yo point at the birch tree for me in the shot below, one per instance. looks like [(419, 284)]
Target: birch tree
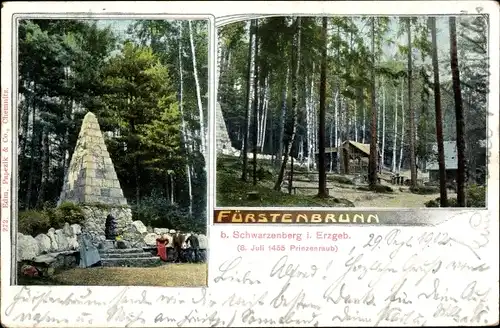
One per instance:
[(395, 140), (198, 94), (249, 97), (283, 114), (186, 139), (295, 73), (403, 130), (255, 98), (383, 127), (413, 167)]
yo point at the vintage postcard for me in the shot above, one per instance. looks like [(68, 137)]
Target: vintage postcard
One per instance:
[(224, 164)]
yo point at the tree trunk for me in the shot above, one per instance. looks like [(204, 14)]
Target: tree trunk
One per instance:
[(439, 116), (290, 176), (345, 134), (260, 113), (265, 108), (300, 155), (340, 153), (228, 80), (402, 127), (309, 125), (355, 122), (295, 73), (250, 73), (271, 136), (185, 137), (364, 115), (459, 115), (68, 117), (283, 115), (172, 189), (373, 161), (331, 146), (378, 116), (32, 152), (382, 164), (219, 66), (45, 169), (322, 191), (24, 123), (255, 104), (395, 142), (313, 146), (472, 157), (198, 94), (413, 164)]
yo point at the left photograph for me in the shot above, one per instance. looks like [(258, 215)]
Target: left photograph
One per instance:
[(112, 142)]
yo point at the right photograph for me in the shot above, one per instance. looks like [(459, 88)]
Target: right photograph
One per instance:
[(352, 111)]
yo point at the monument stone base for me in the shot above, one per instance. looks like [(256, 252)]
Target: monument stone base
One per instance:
[(95, 220)]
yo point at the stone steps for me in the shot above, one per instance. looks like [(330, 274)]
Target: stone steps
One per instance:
[(130, 257), (122, 251), (125, 255), (141, 262)]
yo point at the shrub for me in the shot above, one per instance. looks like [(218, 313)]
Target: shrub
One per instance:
[(382, 188), (424, 190), (66, 212), (33, 222), (433, 203), (156, 211), (475, 197)]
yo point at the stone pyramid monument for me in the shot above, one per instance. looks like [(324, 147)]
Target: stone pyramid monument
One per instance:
[(91, 181), (222, 137), (91, 177)]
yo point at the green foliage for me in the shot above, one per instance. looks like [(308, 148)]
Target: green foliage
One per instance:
[(67, 212), (475, 197), (424, 190), (156, 211), (132, 84), (34, 222)]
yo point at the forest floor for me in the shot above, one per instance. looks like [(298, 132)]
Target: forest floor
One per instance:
[(168, 275), (231, 191)]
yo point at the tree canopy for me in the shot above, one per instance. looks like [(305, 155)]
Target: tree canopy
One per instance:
[(132, 81)]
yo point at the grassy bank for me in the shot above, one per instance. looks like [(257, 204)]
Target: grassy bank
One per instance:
[(169, 275), (232, 191)]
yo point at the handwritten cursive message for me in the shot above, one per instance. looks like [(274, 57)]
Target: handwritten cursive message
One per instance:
[(411, 276)]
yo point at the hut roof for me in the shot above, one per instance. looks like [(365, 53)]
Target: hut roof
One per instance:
[(364, 148)]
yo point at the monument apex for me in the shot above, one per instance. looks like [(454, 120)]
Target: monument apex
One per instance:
[(91, 177)]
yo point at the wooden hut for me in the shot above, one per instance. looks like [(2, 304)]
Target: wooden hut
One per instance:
[(354, 159)]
